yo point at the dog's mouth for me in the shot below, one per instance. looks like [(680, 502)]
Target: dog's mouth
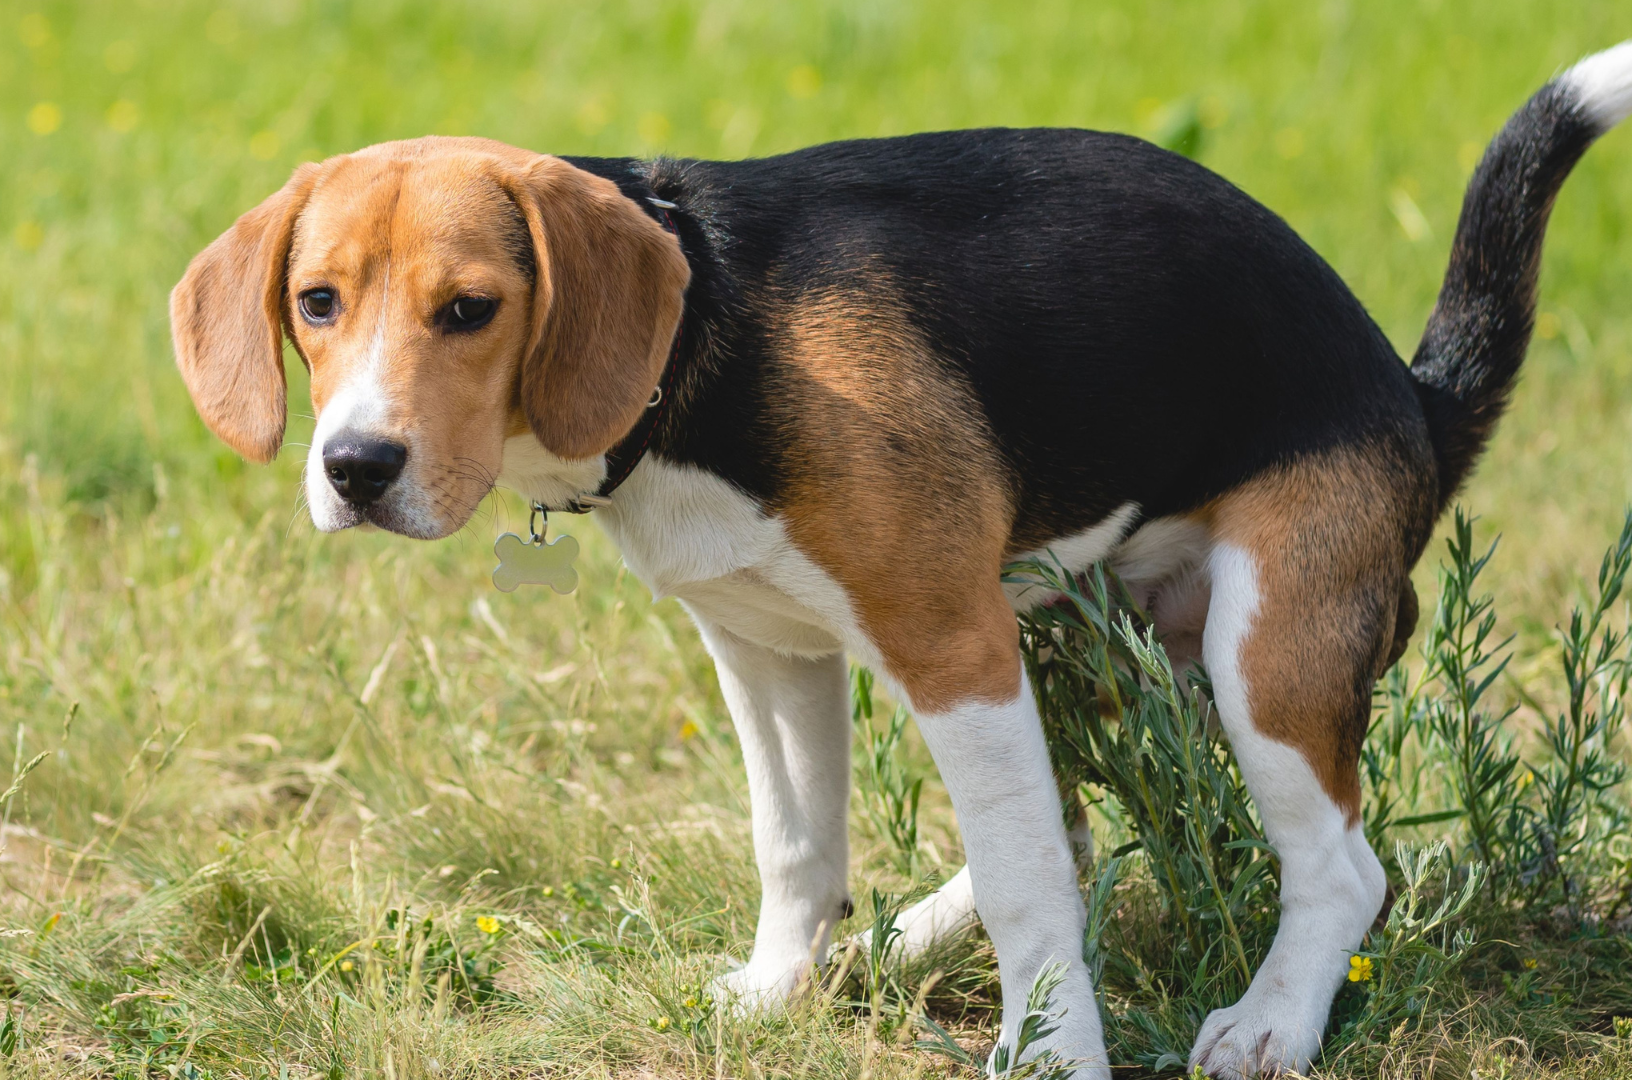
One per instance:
[(393, 515), (380, 517), (404, 521)]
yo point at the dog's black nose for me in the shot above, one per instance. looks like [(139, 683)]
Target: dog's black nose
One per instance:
[(360, 470)]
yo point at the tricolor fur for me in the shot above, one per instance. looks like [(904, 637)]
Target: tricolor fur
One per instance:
[(902, 363)]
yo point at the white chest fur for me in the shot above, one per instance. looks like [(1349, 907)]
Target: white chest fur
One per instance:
[(686, 533)]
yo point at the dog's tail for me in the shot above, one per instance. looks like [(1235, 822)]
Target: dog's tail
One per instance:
[(1480, 328)]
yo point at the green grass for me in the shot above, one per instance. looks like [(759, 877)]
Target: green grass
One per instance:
[(223, 765)]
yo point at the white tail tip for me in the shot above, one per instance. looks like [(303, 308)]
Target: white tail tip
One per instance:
[(1603, 85)]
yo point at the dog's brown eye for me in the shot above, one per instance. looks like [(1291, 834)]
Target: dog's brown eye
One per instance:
[(317, 304), (469, 312)]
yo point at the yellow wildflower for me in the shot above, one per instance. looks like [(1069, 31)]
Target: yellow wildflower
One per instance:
[(1359, 969), (487, 924), (44, 118), (617, 864), (1530, 963), (662, 1023), (549, 891), (346, 965)]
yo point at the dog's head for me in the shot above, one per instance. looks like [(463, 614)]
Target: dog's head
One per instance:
[(445, 294)]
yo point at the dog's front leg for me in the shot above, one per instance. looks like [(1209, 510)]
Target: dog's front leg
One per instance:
[(793, 721), (993, 759), (949, 911)]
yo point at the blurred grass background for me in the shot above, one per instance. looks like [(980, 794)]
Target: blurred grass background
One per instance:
[(149, 575), (134, 132)]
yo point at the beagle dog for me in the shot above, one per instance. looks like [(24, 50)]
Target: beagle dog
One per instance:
[(824, 398)]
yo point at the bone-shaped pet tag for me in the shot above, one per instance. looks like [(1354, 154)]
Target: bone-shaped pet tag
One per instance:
[(539, 563)]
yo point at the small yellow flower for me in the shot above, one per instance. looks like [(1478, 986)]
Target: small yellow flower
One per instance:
[(549, 891), (1359, 969), (690, 1003), (662, 1023), (346, 965), (44, 118), (617, 864), (29, 235), (487, 924), (1530, 963)]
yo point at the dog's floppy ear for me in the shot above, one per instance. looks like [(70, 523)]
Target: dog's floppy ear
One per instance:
[(607, 302), (226, 318)]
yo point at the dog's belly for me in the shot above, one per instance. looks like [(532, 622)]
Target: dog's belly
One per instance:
[(1163, 564), (1073, 553)]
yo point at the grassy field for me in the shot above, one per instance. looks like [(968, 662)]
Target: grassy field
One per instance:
[(331, 805)]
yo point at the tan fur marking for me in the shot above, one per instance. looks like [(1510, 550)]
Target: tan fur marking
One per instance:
[(1328, 538), (610, 292), (226, 322), (897, 492)]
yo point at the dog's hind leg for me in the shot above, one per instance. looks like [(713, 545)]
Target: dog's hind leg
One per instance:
[(1306, 569), (792, 718)]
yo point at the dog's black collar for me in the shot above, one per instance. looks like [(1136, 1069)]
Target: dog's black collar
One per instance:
[(622, 458)]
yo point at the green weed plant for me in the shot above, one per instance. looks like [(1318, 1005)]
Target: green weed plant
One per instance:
[(1530, 834)]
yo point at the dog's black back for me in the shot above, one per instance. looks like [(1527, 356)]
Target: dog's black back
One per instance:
[(1133, 327)]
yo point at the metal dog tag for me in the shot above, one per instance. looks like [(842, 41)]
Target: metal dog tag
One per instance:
[(535, 561)]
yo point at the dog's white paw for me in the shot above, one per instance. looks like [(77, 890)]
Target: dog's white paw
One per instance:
[(1260, 1035), (1077, 1043), (1085, 1058), (760, 986)]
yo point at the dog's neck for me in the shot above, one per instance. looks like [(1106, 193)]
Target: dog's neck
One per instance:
[(711, 398), (539, 476)]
